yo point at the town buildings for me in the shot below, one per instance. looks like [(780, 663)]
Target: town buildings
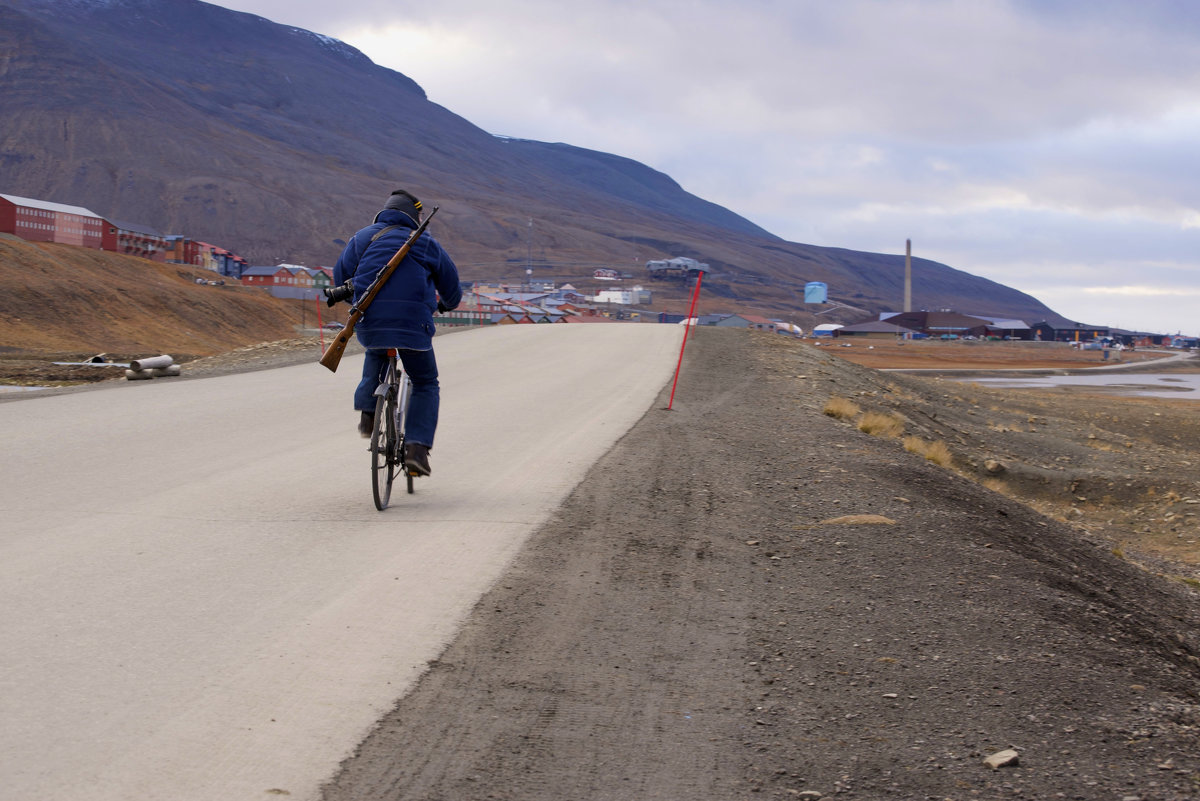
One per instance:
[(484, 306), (678, 268), (43, 221), (946, 324), (290, 280)]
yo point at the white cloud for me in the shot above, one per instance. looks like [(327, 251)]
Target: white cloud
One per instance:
[(1123, 306), (1134, 291)]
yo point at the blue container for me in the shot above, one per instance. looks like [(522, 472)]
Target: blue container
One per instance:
[(815, 292)]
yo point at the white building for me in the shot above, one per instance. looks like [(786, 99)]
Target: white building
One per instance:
[(637, 296)]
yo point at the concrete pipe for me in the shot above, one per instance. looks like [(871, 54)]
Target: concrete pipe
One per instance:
[(151, 363), (163, 372), (138, 375)]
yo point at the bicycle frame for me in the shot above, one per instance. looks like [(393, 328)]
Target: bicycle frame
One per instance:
[(404, 387)]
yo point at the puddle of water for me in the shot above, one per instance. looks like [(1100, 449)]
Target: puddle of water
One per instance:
[(1184, 386)]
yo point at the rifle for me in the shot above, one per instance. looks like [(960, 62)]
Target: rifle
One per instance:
[(333, 356)]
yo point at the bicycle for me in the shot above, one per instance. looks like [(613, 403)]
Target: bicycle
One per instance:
[(387, 435)]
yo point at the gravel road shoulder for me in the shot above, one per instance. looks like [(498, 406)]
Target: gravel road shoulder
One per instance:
[(747, 598)]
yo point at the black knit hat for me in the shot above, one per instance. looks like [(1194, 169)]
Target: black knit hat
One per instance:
[(404, 201)]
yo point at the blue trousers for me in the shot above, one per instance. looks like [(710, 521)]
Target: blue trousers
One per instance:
[(421, 420)]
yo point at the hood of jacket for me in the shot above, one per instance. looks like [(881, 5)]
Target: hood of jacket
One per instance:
[(395, 217)]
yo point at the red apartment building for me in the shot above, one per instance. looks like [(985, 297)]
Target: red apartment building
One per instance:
[(42, 221)]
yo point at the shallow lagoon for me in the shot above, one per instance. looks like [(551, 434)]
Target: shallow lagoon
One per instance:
[(1184, 386)]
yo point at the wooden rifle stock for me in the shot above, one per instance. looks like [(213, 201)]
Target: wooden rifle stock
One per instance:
[(333, 356)]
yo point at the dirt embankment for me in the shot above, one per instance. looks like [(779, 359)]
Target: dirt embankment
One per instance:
[(1121, 468), (749, 598), (66, 303)]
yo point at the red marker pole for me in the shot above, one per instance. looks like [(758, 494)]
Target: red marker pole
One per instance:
[(686, 328), (320, 328)]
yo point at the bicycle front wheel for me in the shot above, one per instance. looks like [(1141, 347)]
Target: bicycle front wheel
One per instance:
[(383, 452)]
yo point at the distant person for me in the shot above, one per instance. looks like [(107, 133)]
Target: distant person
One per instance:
[(400, 317)]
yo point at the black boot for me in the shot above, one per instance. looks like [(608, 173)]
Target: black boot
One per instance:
[(416, 458), (366, 424)]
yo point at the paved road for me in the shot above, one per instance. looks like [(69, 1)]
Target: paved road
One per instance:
[(198, 599)]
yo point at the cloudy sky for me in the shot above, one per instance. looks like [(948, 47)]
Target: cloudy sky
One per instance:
[(1050, 145)]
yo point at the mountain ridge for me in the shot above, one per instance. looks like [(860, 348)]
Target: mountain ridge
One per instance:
[(279, 142)]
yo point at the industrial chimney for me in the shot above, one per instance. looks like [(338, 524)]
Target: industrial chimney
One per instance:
[(908, 275)]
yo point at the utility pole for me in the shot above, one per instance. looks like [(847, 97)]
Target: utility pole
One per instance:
[(907, 275), (529, 260)]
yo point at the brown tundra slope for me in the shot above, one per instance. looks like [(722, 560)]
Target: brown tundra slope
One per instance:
[(64, 303)]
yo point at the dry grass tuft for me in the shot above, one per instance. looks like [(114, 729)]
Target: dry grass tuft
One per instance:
[(936, 452), (901, 394), (858, 520), (881, 425), (841, 408)]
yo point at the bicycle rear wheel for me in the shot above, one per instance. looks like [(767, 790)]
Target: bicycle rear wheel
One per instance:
[(384, 446)]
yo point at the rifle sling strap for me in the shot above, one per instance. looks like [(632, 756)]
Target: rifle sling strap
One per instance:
[(383, 231), (378, 234)]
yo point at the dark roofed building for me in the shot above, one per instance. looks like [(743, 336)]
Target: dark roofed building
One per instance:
[(938, 323), (1079, 332), (873, 329), (140, 240)]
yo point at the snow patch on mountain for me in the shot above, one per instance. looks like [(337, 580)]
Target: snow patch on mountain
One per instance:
[(331, 44)]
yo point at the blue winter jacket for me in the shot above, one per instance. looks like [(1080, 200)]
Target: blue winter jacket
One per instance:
[(401, 316)]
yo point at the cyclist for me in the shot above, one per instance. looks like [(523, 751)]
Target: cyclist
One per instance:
[(401, 316)]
